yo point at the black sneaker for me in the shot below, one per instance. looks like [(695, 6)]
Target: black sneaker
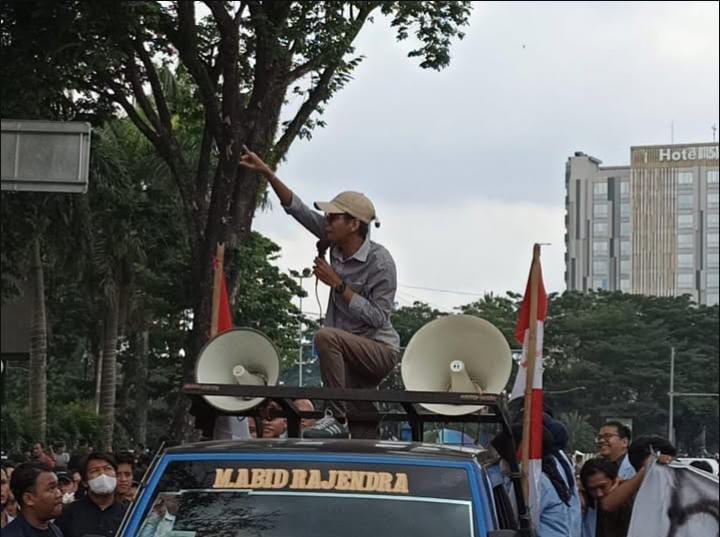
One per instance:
[(327, 427)]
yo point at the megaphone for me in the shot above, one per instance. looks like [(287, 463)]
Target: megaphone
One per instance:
[(457, 353), (238, 356)]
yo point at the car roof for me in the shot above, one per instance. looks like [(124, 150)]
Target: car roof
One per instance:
[(375, 448)]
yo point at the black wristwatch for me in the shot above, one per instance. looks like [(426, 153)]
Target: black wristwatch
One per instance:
[(340, 288)]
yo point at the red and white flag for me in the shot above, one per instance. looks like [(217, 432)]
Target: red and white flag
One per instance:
[(222, 315), (522, 335)]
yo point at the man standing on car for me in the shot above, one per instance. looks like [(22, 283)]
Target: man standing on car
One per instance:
[(357, 346)]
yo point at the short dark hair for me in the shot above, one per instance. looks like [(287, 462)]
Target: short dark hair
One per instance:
[(97, 456), (24, 478), (644, 446), (622, 429), (125, 458), (597, 465)]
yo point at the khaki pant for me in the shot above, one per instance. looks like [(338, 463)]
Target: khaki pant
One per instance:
[(350, 361)]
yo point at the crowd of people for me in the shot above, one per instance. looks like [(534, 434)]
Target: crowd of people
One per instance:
[(595, 498), (57, 494), (54, 493)]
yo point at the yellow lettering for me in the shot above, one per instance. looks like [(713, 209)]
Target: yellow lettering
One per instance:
[(280, 479), (330, 483), (222, 478), (384, 482), (315, 480), (343, 482), (371, 483), (356, 481), (258, 478), (241, 482), (299, 479), (401, 484)]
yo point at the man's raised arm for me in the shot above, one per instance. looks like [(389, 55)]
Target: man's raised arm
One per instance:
[(312, 221), (251, 161)]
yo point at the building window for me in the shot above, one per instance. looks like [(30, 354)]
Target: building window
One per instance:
[(685, 178), (625, 267), (625, 285), (713, 240), (686, 240), (712, 177), (712, 260), (600, 283), (686, 220), (685, 201), (600, 229), (600, 267), (713, 220), (600, 210), (600, 190), (624, 209), (713, 199), (685, 260), (625, 188), (686, 281), (625, 248), (624, 229), (712, 299), (712, 280), (600, 248)]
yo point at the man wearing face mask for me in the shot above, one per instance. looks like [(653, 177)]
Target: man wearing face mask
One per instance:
[(100, 512)]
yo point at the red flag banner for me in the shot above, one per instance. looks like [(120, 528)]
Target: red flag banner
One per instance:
[(224, 315), (526, 318)]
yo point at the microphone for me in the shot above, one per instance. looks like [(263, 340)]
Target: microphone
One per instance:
[(322, 247)]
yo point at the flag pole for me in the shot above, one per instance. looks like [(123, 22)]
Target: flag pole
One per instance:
[(530, 363), (217, 275)]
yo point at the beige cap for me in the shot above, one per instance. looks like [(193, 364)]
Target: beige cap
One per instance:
[(352, 203)]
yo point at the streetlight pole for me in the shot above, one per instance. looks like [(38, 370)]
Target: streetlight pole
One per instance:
[(300, 275), (671, 410), (672, 394)]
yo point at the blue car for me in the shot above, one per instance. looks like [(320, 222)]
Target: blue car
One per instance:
[(330, 488)]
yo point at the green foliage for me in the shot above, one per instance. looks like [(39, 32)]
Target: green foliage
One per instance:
[(264, 297), (409, 319), (581, 433)]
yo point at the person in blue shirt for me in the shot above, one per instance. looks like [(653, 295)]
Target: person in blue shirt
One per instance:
[(556, 496), (566, 470), (36, 489)]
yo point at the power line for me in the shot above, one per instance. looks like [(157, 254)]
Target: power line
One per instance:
[(452, 292)]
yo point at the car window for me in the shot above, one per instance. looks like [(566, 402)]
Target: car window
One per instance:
[(282, 499)]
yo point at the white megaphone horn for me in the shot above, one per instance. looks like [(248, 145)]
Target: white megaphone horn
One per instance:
[(460, 354), (238, 356)]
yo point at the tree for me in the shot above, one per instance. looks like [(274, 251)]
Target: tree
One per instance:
[(249, 63)]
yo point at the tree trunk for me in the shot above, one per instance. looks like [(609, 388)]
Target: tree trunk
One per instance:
[(38, 349), (109, 373), (142, 346)]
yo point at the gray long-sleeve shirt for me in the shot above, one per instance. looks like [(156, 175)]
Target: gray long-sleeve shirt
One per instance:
[(370, 273)]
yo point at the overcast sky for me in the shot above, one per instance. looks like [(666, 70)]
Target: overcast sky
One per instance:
[(466, 166)]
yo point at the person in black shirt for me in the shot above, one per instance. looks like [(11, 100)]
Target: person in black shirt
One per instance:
[(99, 513), (36, 489)]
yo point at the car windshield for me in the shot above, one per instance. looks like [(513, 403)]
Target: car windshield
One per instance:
[(236, 499)]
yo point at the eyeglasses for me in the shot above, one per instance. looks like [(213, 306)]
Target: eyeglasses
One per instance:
[(606, 437), (331, 217)]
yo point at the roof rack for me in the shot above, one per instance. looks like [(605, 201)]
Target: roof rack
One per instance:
[(493, 406)]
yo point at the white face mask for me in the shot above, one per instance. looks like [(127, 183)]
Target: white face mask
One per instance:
[(103, 484), (68, 497)]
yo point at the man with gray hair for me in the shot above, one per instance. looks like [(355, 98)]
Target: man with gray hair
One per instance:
[(357, 345)]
